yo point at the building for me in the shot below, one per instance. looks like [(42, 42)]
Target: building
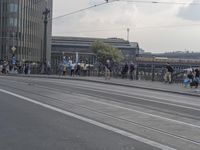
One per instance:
[(79, 48), (22, 30)]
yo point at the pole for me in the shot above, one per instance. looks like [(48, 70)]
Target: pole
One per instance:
[(45, 13), (128, 30)]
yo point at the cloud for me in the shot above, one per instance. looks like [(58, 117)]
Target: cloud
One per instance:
[(190, 12), (112, 20)]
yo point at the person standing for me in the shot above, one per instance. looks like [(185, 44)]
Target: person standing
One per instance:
[(84, 69), (107, 70), (197, 76), (72, 69), (168, 74), (48, 68), (132, 68), (78, 68), (125, 71)]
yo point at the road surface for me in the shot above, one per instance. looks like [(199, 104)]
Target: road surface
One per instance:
[(49, 114)]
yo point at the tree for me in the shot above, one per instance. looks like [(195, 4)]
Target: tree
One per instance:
[(105, 51)]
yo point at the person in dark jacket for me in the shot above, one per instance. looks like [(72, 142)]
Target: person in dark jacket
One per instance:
[(168, 73), (78, 68), (131, 70), (124, 71)]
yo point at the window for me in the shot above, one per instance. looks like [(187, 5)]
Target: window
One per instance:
[(13, 8), (12, 22)]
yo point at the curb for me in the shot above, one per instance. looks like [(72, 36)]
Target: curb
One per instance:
[(111, 83)]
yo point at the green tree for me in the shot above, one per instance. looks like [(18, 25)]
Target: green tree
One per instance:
[(105, 51)]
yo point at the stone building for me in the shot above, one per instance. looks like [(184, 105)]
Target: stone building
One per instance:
[(22, 29)]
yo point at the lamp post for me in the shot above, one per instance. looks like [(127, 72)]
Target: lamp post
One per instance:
[(45, 13)]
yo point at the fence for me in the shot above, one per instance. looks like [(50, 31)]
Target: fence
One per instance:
[(153, 73)]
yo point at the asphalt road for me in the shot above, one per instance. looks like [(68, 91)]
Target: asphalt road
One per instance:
[(45, 114)]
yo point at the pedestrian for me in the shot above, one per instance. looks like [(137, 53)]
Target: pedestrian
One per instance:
[(29, 68), (26, 68), (72, 67), (60, 69), (78, 68), (5, 69), (197, 74), (84, 69), (1, 68), (124, 71), (131, 72), (64, 69), (197, 77), (48, 68), (107, 70), (168, 74)]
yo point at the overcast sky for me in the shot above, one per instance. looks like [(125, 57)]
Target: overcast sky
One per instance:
[(156, 27)]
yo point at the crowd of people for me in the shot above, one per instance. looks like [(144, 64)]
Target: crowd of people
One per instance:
[(126, 71), (72, 68), (191, 78), (7, 68)]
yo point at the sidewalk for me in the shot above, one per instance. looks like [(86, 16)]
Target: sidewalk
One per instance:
[(149, 85)]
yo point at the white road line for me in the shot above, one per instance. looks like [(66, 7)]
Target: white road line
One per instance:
[(107, 127), (144, 113)]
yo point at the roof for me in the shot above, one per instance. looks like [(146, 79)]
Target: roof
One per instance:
[(86, 42)]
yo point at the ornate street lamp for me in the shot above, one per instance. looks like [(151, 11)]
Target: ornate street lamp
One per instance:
[(13, 49)]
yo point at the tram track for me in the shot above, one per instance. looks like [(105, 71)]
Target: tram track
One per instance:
[(106, 114)]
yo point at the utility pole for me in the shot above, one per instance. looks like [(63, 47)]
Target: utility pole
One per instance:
[(128, 30), (45, 13)]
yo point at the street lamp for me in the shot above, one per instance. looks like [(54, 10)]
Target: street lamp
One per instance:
[(13, 49), (46, 12)]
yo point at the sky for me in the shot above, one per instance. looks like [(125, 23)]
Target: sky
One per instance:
[(157, 27)]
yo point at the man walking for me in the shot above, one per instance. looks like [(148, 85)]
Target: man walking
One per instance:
[(168, 74)]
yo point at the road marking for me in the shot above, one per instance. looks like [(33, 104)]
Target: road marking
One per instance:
[(130, 96), (125, 108), (107, 127), (121, 94), (144, 113)]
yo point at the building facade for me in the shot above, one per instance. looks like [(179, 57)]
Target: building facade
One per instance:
[(22, 30), (79, 48)]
